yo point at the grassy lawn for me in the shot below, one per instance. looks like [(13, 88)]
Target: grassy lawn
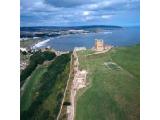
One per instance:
[(44, 91), (63, 115), (30, 88), (114, 92)]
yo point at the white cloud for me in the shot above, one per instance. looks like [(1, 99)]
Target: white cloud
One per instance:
[(106, 16), (89, 18), (86, 13), (93, 6), (93, 12), (99, 5)]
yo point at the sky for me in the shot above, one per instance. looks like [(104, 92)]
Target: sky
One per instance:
[(79, 12)]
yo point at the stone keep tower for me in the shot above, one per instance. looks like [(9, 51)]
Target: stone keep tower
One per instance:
[(99, 45)]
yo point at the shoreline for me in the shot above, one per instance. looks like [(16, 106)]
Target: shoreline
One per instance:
[(41, 43)]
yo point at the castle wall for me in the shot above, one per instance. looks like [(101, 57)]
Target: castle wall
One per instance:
[(99, 46)]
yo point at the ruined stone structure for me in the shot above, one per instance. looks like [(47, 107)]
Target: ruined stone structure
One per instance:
[(99, 45), (79, 81)]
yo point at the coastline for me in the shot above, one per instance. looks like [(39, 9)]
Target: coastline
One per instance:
[(40, 44)]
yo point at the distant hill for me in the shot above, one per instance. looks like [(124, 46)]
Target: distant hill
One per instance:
[(40, 28), (54, 31)]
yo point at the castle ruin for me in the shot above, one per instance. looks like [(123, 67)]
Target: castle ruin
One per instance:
[(99, 45)]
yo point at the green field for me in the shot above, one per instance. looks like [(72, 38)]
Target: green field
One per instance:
[(43, 92), (30, 88), (114, 85)]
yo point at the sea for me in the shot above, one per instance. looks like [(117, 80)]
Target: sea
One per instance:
[(125, 36)]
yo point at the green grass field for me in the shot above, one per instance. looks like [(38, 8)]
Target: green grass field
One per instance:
[(30, 88), (114, 89), (43, 93)]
